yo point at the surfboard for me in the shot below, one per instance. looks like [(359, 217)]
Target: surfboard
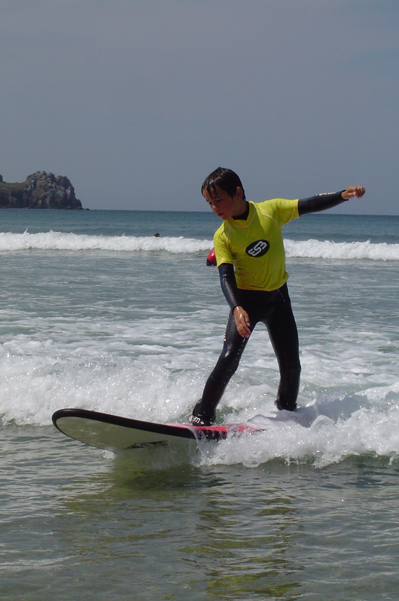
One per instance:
[(118, 434)]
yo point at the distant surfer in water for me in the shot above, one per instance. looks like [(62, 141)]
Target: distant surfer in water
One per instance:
[(250, 257)]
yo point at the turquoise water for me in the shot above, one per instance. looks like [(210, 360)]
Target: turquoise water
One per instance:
[(99, 314)]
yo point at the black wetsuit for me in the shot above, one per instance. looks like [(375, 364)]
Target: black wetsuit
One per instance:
[(274, 310)]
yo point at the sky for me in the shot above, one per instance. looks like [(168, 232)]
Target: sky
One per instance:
[(137, 101)]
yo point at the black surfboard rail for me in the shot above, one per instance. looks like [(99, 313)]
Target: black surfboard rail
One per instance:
[(182, 431)]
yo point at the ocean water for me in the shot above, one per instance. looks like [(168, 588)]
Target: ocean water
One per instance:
[(98, 313)]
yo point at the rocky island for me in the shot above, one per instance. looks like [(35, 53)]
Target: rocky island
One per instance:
[(40, 190)]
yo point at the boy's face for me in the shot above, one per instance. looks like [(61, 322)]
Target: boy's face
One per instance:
[(224, 205)]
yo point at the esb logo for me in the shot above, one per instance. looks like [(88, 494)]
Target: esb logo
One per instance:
[(258, 248)]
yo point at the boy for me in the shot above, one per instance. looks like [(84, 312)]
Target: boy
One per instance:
[(251, 261)]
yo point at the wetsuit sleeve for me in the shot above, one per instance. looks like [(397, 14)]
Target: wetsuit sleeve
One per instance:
[(228, 284), (319, 203)]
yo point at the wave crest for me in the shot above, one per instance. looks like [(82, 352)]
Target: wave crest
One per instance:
[(83, 242), (311, 249), (325, 249)]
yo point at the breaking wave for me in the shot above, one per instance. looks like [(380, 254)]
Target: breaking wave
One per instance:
[(315, 249)]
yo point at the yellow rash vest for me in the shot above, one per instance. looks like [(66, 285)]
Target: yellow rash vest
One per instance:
[(255, 245)]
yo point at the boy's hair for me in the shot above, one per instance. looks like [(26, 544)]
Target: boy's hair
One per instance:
[(226, 179)]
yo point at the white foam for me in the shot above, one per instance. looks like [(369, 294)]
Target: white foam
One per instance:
[(81, 242), (318, 434), (317, 249), (161, 383), (140, 341)]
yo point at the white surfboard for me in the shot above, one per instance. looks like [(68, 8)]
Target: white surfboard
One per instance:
[(117, 434)]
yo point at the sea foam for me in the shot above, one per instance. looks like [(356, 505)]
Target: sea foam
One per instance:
[(312, 248), (83, 242), (343, 250)]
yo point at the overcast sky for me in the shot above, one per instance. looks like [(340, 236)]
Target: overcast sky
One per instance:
[(136, 101)]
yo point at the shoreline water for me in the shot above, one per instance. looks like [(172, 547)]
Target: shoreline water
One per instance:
[(299, 513)]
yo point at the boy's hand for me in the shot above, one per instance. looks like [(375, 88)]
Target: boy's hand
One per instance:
[(242, 322), (352, 191)]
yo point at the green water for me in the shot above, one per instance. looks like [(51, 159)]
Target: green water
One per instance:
[(78, 524)]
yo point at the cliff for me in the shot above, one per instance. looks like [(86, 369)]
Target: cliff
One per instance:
[(41, 190)]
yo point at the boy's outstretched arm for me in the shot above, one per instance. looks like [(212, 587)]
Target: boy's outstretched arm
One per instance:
[(322, 202)]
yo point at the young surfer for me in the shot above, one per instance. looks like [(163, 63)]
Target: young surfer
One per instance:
[(250, 257)]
